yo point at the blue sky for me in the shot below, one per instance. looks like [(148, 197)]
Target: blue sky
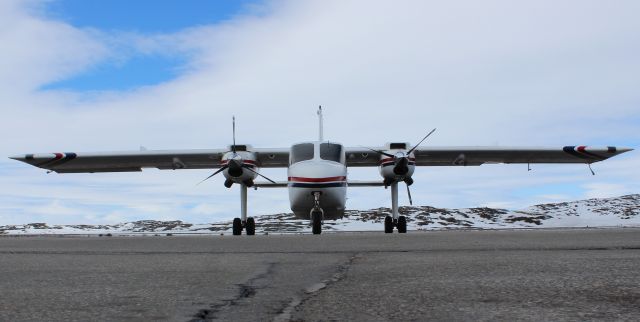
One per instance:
[(141, 16), (116, 75)]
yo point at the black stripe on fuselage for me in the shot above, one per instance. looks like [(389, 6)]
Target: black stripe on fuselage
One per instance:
[(317, 185)]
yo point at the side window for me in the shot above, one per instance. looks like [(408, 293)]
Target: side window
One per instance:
[(330, 151), (301, 152)]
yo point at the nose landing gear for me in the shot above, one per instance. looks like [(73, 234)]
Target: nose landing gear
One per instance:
[(316, 215)]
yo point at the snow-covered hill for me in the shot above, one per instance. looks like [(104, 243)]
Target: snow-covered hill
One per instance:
[(610, 212)]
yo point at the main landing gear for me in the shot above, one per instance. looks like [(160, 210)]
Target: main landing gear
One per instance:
[(400, 223), (395, 220), (316, 215), (248, 224)]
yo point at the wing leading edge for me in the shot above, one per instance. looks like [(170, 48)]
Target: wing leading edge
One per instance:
[(130, 161), (478, 155)]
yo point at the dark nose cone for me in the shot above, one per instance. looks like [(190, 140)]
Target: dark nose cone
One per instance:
[(235, 168), (401, 167)]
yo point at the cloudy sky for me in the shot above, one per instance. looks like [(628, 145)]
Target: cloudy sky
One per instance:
[(116, 75)]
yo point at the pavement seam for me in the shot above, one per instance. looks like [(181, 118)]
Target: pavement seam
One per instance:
[(312, 290)]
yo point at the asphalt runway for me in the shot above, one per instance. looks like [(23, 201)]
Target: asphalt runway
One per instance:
[(534, 275)]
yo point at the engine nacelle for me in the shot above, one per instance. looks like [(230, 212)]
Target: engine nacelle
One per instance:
[(400, 167), (242, 167)]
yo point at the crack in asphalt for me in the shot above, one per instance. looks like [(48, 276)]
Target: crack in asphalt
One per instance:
[(311, 291), (246, 290)]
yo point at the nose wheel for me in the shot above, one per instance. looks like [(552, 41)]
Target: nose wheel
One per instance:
[(316, 222), (316, 215)]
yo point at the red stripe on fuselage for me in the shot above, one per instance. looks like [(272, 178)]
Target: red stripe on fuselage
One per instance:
[(327, 179)]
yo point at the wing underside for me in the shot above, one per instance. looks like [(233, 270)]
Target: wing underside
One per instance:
[(71, 162), (474, 156)]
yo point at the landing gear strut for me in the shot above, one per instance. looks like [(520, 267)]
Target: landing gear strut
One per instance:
[(395, 220), (249, 224), (316, 215)]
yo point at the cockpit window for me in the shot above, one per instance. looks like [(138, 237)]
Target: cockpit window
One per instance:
[(301, 152), (330, 151)]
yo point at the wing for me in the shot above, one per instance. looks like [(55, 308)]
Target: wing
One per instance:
[(128, 161), (452, 156)]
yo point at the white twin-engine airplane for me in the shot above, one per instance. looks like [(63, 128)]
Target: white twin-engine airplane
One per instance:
[(317, 171)]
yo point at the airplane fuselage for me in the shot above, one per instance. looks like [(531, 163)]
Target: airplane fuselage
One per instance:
[(323, 171)]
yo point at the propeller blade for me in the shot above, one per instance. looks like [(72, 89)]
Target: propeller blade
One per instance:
[(256, 172), (409, 193), (409, 152), (233, 147), (381, 152), (209, 177)]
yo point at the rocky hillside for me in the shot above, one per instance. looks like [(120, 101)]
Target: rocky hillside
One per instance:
[(609, 212)]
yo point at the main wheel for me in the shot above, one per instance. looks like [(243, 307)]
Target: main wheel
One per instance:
[(237, 227), (402, 224), (388, 224), (316, 222), (251, 226)]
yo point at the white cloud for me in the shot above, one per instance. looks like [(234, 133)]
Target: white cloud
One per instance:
[(604, 190), (39, 50), (496, 72)]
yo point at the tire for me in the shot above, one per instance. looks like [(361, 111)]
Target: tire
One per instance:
[(316, 223), (388, 225), (237, 227), (251, 226), (402, 224)]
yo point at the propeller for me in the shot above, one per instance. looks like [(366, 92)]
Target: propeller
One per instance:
[(235, 165), (258, 173), (209, 177), (401, 162), (401, 159), (424, 138)]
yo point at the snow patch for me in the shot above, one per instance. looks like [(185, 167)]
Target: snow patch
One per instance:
[(605, 212)]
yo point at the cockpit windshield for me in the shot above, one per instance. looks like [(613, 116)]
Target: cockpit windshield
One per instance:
[(301, 152), (330, 151)]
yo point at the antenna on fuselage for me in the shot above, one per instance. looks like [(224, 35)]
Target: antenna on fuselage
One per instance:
[(233, 122), (320, 120)]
